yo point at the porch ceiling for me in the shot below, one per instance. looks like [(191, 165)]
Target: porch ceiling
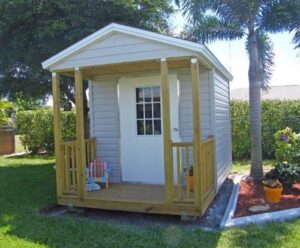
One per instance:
[(89, 73)]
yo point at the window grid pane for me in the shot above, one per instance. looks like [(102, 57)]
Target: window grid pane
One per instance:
[(148, 110)]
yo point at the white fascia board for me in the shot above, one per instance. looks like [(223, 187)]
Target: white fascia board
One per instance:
[(111, 28), (214, 60)]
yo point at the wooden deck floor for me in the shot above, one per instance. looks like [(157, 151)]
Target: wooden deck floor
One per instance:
[(146, 198), (131, 193)]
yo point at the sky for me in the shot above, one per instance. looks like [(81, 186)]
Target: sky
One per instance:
[(233, 56)]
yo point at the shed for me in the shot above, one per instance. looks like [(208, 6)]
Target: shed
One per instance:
[(159, 118)]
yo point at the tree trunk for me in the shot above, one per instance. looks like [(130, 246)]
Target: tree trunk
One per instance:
[(255, 83)]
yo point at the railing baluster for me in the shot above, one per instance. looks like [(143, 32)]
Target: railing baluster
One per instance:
[(205, 167), (73, 165), (187, 166), (179, 171), (67, 168), (88, 153), (63, 165), (93, 149)]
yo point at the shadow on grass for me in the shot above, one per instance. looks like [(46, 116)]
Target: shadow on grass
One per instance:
[(27, 186)]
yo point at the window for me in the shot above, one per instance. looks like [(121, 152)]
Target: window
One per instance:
[(148, 110)]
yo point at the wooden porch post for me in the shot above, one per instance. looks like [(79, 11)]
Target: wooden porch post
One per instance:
[(57, 132), (80, 148), (196, 131), (167, 132)]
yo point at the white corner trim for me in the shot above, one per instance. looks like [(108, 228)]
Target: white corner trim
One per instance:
[(229, 212), (202, 50), (258, 219)]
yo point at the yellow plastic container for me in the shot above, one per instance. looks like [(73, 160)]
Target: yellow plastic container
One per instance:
[(273, 194), (191, 183)]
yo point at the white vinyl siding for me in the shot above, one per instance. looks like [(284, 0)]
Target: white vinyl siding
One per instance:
[(119, 48), (215, 119), (105, 123), (222, 128), (186, 106)]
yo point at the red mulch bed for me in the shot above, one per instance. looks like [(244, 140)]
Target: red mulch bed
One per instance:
[(252, 193)]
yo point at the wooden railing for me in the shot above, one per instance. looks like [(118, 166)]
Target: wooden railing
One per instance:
[(183, 163), (90, 148), (69, 162), (207, 171)]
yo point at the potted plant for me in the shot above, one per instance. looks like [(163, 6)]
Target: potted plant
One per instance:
[(191, 178), (273, 189)]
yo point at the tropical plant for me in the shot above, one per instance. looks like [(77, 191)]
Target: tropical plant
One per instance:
[(272, 183), (212, 20), (287, 174), (287, 145), (191, 171)]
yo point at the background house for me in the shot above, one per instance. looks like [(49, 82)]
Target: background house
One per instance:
[(284, 92)]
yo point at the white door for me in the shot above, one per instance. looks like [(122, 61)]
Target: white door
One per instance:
[(142, 151)]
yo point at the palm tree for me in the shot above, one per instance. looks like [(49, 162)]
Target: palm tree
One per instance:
[(212, 20)]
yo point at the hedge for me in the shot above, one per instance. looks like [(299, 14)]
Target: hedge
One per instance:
[(36, 129), (5, 109), (276, 115)]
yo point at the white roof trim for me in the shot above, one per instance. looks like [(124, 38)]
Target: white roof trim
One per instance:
[(113, 27)]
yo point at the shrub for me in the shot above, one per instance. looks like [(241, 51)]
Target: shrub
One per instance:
[(286, 173), (5, 109), (36, 129), (276, 115), (287, 146)]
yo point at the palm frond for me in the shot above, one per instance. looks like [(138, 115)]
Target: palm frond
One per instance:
[(265, 56), (196, 9), (210, 28), (177, 2), (233, 11), (296, 38), (279, 16)]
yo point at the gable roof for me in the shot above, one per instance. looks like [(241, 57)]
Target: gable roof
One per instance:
[(112, 28)]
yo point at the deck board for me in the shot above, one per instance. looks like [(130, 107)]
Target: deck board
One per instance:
[(131, 192)]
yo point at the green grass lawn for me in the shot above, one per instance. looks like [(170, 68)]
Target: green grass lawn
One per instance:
[(28, 184), (243, 166)]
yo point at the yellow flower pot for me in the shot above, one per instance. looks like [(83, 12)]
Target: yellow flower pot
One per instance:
[(191, 183), (273, 194)]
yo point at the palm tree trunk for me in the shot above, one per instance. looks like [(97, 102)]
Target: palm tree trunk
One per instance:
[(255, 82)]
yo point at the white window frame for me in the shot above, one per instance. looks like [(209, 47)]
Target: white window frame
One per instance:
[(144, 119)]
